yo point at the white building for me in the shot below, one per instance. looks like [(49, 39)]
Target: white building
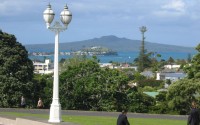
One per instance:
[(45, 67), (122, 66), (173, 76), (172, 66), (108, 65)]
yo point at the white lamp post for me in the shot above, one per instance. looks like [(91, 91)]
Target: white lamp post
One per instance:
[(65, 16)]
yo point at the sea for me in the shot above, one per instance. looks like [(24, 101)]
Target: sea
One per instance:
[(123, 57)]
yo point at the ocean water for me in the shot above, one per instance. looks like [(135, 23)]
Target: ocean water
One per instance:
[(123, 56)]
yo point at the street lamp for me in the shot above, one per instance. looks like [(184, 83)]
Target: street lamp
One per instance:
[(65, 17)]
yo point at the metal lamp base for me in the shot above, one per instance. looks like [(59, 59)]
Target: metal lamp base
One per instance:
[(55, 113)]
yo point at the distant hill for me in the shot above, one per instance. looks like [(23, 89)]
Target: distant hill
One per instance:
[(112, 42)]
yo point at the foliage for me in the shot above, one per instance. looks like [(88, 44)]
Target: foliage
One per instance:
[(168, 81), (85, 86), (129, 72), (189, 58), (181, 61), (16, 71), (170, 60), (193, 69), (138, 77), (150, 61), (148, 89), (155, 65), (161, 97), (150, 82), (161, 106), (43, 85), (181, 93), (143, 61), (140, 102)]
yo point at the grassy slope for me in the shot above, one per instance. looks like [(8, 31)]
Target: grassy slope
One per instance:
[(97, 120)]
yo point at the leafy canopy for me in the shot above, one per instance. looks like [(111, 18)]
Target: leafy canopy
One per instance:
[(16, 71)]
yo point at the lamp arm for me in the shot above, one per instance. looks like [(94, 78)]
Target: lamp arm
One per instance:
[(57, 27)]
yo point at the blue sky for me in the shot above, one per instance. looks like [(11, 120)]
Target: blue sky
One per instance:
[(175, 22)]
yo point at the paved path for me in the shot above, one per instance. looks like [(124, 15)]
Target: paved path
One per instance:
[(96, 113)]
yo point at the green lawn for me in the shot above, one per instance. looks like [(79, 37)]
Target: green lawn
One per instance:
[(99, 120)]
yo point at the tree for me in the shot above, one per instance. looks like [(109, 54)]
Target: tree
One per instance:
[(72, 62), (181, 93), (85, 86), (42, 88), (193, 69), (151, 82), (129, 72), (155, 65), (77, 83), (143, 61), (170, 60), (142, 50), (139, 102), (161, 106), (138, 77), (189, 58), (168, 81), (16, 71)]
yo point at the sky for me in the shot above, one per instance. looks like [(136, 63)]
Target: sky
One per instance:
[(174, 22)]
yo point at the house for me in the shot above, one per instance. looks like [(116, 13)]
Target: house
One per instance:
[(127, 66), (108, 65), (122, 66), (173, 76), (172, 66), (45, 67)]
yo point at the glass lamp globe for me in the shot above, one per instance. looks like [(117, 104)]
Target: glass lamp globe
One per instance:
[(66, 16), (48, 15)]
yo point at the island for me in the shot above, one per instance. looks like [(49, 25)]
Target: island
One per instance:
[(88, 51)]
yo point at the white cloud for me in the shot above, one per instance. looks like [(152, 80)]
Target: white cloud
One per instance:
[(174, 8), (8, 7), (176, 5)]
